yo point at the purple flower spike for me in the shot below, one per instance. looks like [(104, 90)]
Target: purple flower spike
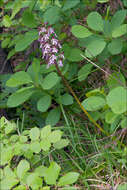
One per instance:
[(50, 46)]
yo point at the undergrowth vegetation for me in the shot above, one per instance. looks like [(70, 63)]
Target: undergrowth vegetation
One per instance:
[(63, 103)]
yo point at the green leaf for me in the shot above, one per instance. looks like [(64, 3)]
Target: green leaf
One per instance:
[(116, 79), (122, 186), (52, 173), (35, 147), (84, 72), (75, 55), (17, 5), (45, 131), (61, 144), (95, 21), (118, 19), (110, 117), (124, 122), (66, 99), (53, 117), (70, 4), (119, 31), (117, 100), (7, 21), (22, 168), (18, 78), (40, 170), (52, 15), (80, 31), (6, 155), (45, 144), (34, 181), (20, 187), (34, 133), (5, 42), (115, 47), (102, 1), (28, 19), (95, 46), (20, 96), (68, 179), (94, 103), (44, 103), (50, 81), (8, 183), (55, 136), (10, 127), (26, 40)]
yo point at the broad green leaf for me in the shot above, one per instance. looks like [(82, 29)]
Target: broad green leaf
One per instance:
[(80, 31), (5, 42), (53, 117), (125, 3), (35, 147), (52, 173), (10, 127), (34, 181), (66, 99), (52, 15), (20, 187), (75, 55), (20, 96), (115, 47), (6, 155), (8, 183), (22, 168), (118, 19), (55, 136), (124, 122), (27, 39), (23, 139), (40, 171), (44, 103), (116, 79), (95, 47), (70, 4), (28, 19), (8, 172), (110, 117), (11, 53), (68, 179), (18, 78), (119, 31), (122, 186), (45, 131), (117, 100), (94, 103), (84, 71), (50, 81), (61, 144), (95, 21), (17, 5), (45, 144), (34, 133), (7, 21)]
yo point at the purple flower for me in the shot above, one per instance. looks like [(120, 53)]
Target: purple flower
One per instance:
[(50, 46), (60, 63), (54, 41), (54, 50)]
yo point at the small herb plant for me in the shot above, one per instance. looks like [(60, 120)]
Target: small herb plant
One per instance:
[(23, 158)]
